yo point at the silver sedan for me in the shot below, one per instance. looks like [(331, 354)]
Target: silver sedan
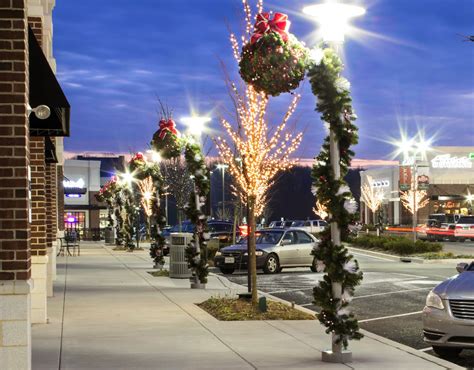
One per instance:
[(448, 317)]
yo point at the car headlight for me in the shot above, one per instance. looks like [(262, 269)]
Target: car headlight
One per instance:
[(257, 253), (218, 253), (434, 300)]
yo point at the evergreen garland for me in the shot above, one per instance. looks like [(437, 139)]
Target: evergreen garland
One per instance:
[(196, 164), (335, 106)]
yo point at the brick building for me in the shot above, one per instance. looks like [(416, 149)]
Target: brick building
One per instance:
[(34, 117)]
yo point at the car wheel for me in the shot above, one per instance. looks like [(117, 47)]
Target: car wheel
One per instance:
[(227, 271), (447, 352), (314, 265), (272, 265), (461, 240)]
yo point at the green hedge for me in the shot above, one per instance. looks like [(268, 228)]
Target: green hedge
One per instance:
[(396, 244)]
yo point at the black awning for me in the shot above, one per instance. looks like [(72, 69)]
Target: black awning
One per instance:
[(81, 191), (49, 151), (45, 90)]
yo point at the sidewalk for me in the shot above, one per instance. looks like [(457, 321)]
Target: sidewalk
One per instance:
[(109, 313)]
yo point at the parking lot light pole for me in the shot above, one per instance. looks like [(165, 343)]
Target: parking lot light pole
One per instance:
[(222, 167)]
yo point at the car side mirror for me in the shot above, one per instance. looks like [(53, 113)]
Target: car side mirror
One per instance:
[(285, 242), (461, 267)]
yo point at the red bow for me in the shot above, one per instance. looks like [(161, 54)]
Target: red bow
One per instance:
[(165, 126), (137, 157), (279, 24)]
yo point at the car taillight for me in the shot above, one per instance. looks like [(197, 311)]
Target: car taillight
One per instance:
[(472, 227), (458, 227)]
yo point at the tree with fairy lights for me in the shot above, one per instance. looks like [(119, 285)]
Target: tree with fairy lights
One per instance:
[(262, 155), (372, 196), (414, 200)]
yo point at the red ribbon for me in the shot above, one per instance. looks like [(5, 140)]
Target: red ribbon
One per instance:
[(279, 24), (165, 126), (137, 157)]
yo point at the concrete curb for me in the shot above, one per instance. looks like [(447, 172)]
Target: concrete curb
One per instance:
[(374, 254), (378, 338)]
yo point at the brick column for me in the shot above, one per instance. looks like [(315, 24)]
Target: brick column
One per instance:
[(15, 260), (39, 252), (60, 199), (51, 221)]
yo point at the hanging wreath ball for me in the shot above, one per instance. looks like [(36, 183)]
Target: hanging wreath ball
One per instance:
[(166, 140), (273, 61)]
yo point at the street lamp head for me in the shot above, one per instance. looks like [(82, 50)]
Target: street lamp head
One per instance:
[(196, 124), (127, 178), (155, 156), (334, 18), (222, 166)]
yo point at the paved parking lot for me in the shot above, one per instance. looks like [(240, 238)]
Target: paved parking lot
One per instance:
[(388, 303)]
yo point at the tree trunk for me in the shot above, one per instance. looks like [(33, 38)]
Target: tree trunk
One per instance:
[(252, 244), (180, 219)]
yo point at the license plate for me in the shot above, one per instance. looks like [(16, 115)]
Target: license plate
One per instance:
[(466, 228), (229, 260)]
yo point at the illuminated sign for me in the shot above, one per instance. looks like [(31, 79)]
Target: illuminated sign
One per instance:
[(79, 184), (446, 161), (380, 184), (71, 219), (73, 195)]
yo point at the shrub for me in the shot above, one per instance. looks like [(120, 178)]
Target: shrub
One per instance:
[(396, 244), (212, 248)]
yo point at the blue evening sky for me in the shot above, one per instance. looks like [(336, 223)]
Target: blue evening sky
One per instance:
[(408, 67)]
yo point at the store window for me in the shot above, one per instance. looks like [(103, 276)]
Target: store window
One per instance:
[(74, 221), (103, 219)]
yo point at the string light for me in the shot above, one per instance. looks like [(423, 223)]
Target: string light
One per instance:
[(321, 210), (371, 195), (147, 189), (261, 155), (414, 202)]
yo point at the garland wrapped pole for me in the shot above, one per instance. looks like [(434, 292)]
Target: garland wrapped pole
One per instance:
[(334, 103)]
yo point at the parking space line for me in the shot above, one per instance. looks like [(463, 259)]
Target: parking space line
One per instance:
[(387, 293), (291, 290), (391, 317), (426, 349)]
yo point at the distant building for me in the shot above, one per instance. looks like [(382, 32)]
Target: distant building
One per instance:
[(447, 175)]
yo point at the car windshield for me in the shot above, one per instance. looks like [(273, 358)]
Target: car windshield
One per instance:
[(471, 267), (466, 220), (185, 227), (265, 237), (219, 227)]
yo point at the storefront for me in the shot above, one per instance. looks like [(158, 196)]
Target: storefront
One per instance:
[(446, 174), (82, 212)]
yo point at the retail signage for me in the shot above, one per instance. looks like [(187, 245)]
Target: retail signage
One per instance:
[(405, 178), (447, 161), (79, 184), (380, 183), (423, 177)]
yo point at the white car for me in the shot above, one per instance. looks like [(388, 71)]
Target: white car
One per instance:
[(464, 228), (311, 226)]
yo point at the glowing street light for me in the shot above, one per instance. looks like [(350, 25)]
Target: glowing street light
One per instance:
[(155, 156), (196, 124), (126, 178), (333, 18)]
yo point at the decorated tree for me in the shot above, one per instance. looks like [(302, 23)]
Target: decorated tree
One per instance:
[(110, 193), (414, 200), (372, 196), (262, 155)]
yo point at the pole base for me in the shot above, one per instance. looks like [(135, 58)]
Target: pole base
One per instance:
[(198, 285), (337, 357)]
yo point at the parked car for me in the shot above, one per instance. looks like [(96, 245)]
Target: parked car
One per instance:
[(464, 228), (311, 226), (276, 249), (448, 317), (280, 224), (439, 232)]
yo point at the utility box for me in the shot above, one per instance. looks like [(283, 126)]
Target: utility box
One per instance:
[(178, 264)]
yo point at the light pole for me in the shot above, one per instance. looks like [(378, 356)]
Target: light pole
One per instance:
[(411, 150), (222, 167), (333, 19), (196, 126)]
